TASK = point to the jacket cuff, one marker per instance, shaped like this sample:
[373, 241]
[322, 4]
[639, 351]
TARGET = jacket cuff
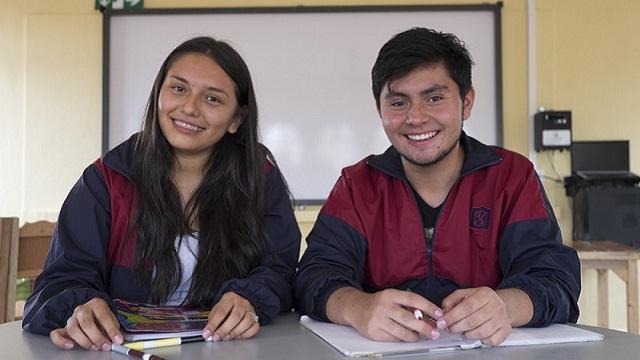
[54, 312]
[266, 307]
[324, 293]
[537, 292]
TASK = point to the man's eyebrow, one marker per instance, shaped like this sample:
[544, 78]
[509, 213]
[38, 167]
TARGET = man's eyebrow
[430, 90]
[434, 88]
[212, 88]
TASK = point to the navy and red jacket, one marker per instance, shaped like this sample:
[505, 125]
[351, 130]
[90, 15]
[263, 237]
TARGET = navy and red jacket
[495, 228]
[91, 257]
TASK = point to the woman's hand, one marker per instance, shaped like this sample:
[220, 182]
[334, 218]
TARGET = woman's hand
[233, 317]
[92, 326]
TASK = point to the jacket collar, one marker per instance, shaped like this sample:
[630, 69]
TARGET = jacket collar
[476, 156]
[119, 158]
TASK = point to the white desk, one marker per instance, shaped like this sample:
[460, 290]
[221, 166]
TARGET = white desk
[285, 339]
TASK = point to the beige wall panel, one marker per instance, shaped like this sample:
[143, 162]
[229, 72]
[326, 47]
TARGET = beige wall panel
[63, 107]
[596, 72]
[514, 77]
[11, 107]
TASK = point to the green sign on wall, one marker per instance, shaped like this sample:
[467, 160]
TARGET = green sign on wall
[119, 4]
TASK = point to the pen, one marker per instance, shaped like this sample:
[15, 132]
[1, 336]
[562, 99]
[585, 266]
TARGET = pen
[134, 353]
[150, 344]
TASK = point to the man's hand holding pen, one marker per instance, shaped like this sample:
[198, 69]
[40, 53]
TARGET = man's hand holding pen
[386, 315]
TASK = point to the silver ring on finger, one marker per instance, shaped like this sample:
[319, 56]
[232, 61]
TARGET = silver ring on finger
[254, 316]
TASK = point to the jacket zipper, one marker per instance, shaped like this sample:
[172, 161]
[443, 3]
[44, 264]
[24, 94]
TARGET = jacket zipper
[428, 235]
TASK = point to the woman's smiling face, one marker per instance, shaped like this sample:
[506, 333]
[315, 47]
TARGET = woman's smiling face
[197, 105]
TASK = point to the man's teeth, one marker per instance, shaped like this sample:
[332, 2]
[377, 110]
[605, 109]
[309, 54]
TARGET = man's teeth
[426, 136]
[183, 124]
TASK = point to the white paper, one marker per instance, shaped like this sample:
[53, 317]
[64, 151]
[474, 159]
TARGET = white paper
[347, 340]
[552, 334]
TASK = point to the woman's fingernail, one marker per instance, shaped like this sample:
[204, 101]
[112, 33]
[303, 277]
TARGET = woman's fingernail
[68, 345]
[94, 348]
[206, 334]
[118, 339]
[435, 334]
[441, 324]
[216, 337]
[437, 313]
[226, 338]
[106, 347]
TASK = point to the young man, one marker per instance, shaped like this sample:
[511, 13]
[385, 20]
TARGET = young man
[440, 222]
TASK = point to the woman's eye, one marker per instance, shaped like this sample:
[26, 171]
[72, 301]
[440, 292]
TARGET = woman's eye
[177, 88]
[212, 99]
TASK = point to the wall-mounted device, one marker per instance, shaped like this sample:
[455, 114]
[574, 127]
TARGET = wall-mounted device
[552, 130]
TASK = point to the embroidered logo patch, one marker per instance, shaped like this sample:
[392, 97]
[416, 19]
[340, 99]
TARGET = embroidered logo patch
[480, 218]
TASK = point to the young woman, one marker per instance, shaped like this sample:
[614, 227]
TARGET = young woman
[191, 211]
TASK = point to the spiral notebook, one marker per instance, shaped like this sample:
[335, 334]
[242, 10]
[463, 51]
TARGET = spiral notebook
[346, 340]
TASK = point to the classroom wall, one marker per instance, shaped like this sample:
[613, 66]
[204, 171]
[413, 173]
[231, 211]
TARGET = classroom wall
[587, 62]
[50, 94]
[50, 102]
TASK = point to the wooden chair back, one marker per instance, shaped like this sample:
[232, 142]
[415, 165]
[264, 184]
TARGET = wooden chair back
[23, 251]
[33, 248]
[8, 267]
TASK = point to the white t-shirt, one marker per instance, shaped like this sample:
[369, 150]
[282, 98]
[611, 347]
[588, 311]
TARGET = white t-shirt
[187, 248]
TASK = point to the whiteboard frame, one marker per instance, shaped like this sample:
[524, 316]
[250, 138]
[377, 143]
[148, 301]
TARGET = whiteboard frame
[109, 14]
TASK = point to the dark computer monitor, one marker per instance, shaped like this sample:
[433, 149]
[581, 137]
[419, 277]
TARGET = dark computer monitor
[599, 155]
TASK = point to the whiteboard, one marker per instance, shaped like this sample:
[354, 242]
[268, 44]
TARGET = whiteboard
[311, 71]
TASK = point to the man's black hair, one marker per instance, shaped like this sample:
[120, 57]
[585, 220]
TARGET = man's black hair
[421, 47]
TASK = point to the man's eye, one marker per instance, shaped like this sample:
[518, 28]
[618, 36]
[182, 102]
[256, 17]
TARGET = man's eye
[398, 104]
[435, 99]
